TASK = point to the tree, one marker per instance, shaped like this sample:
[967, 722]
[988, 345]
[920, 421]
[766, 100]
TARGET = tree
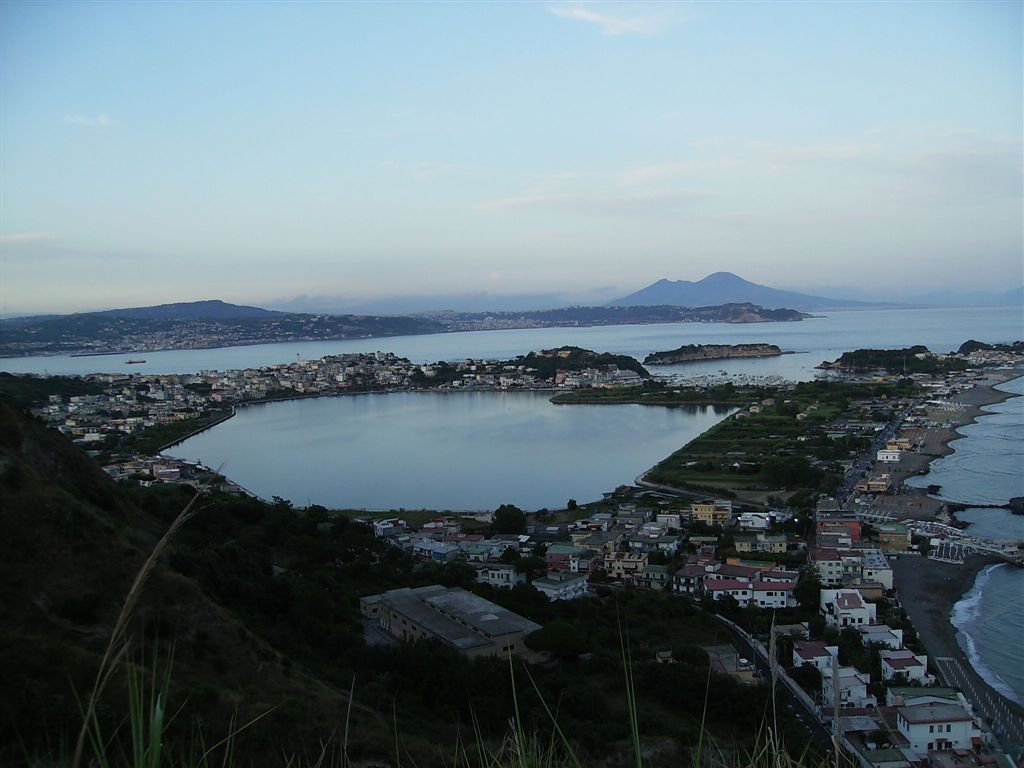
[571, 505]
[532, 566]
[558, 638]
[509, 519]
[807, 677]
[808, 591]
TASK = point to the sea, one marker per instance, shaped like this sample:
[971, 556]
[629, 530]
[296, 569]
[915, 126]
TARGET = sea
[808, 343]
[987, 467]
[517, 447]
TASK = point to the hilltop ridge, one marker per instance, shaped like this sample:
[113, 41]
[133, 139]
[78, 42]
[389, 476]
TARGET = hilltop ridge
[728, 288]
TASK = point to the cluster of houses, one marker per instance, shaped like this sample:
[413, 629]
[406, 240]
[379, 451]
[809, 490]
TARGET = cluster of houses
[917, 723]
[842, 556]
[133, 402]
[631, 546]
[917, 726]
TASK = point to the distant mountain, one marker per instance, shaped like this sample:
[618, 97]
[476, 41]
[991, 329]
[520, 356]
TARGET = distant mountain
[190, 310]
[727, 288]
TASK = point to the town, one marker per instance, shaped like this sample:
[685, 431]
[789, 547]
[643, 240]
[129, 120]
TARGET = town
[802, 580]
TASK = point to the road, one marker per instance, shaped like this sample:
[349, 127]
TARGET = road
[820, 735]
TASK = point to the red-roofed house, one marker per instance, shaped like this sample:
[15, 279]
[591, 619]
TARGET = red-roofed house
[816, 653]
[846, 608]
[905, 662]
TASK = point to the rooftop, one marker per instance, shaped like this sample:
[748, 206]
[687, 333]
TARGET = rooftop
[455, 616]
[813, 649]
[933, 713]
[482, 615]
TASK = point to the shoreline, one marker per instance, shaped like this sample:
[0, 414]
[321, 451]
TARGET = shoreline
[256, 343]
[928, 591]
[916, 502]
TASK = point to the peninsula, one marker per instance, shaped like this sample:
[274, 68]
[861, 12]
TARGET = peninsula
[693, 352]
[215, 324]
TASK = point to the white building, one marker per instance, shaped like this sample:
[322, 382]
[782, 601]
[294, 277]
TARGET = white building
[391, 525]
[881, 634]
[905, 662]
[888, 455]
[561, 585]
[767, 594]
[816, 653]
[936, 726]
[853, 689]
[829, 564]
[754, 521]
[501, 575]
[671, 520]
[736, 588]
[874, 567]
[846, 608]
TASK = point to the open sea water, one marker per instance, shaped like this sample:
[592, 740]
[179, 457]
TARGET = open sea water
[987, 467]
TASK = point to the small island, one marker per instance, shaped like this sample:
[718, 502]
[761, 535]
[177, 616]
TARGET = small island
[693, 352]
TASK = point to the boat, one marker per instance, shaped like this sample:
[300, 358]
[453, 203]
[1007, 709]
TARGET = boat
[133, 362]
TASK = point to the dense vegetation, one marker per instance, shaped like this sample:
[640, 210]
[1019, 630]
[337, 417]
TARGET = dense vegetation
[688, 352]
[657, 393]
[25, 391]
[548, 362]
[777, 445]
[971, 345]
[916, 359]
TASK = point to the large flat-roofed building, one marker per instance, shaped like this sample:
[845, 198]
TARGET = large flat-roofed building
[458, 618]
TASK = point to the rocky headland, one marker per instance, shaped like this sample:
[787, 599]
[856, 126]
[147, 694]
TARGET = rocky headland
[691, 352]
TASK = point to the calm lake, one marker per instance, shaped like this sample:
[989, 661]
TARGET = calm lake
[461, 451]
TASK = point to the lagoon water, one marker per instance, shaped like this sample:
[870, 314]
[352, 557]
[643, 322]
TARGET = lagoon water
[458, 451]
[811, 341]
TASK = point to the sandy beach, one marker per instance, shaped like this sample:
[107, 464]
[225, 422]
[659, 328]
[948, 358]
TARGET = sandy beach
[928, 590]
[915, 503]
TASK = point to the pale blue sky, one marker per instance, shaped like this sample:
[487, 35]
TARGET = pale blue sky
[254, 152]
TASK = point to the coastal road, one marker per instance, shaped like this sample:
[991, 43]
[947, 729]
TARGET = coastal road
[820, 735]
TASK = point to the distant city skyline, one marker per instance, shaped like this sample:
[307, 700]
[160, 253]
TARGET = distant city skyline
[259, 152]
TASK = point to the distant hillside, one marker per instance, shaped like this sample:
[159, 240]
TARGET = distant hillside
[727, 288]
[213, 309]
[191, 325]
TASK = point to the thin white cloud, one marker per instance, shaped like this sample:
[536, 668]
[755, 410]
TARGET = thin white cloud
[642, 204]
[652, 173]
[99, 121]
[27, 237]
[610, 24]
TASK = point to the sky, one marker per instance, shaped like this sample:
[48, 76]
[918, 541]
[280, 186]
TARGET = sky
[258, 152]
